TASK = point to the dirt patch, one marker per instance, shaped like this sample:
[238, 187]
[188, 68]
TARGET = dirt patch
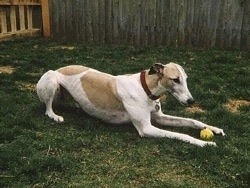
[6, 70]
[26, 86]
[234, 105]
[194, 109]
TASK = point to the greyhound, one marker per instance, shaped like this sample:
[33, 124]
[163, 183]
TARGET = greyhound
[125, 98]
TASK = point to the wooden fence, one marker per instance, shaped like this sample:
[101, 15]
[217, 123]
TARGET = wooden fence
[19, 18]
[194, 23]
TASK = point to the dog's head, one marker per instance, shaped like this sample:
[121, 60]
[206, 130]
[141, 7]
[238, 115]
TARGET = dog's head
[174, 79]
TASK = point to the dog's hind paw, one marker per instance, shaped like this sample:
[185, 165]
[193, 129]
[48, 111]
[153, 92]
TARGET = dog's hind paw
[55, 117]
[58, 119]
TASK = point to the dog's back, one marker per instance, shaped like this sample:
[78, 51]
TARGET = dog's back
[72, 70]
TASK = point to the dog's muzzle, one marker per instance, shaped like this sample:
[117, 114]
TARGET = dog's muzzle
[190, 101]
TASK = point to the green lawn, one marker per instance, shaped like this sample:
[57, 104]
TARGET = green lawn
[85, 152]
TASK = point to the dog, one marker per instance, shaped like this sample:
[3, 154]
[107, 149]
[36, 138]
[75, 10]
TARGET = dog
[125, 98]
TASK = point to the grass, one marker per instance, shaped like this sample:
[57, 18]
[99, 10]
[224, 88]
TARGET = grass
[85, 152]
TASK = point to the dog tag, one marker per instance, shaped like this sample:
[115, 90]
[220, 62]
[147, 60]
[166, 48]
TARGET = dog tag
[157, 106]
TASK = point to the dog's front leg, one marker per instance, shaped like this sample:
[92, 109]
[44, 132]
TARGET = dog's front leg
[168, 120]
[140, 118]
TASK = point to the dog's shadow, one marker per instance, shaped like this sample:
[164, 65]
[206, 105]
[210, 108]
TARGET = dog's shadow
[75, 116]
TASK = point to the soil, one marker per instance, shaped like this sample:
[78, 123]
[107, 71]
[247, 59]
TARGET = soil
[6, 70]
[194, 109]
[234, 105]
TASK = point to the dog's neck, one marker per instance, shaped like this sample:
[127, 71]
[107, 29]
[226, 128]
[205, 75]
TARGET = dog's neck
[151, 87]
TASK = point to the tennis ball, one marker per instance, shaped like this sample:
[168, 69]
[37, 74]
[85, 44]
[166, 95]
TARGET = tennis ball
[206, 134]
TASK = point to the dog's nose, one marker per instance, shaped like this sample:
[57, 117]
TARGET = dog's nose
[190, 101]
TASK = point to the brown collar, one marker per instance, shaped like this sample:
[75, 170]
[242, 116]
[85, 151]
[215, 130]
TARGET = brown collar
[145, 87]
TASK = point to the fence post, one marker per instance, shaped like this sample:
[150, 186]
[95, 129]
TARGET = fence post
[45, 17]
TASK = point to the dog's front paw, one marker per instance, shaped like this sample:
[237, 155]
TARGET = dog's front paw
[219, 131]
[215, 130]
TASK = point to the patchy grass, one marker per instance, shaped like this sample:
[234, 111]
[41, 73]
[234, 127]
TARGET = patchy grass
[234, 105]
[6, 70]
[85, 152]
[194, 109]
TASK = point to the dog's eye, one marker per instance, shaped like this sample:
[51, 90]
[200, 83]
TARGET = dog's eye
[176, 80]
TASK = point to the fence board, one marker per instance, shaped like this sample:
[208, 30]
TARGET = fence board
[69, 20]
[62, 19]
[82, 26]
[189, 24]
[13, 18]
[213, 21]
[238, 18]
[124, 23]
[101, 21]
[173, 18]
[3, 20]
[245, 32]
[22, 17]
[29, 17]
[45, 18]
[77, 19]
[193, 23]
[54, 20]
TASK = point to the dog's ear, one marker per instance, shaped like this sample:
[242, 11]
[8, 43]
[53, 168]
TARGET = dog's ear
[157, 68]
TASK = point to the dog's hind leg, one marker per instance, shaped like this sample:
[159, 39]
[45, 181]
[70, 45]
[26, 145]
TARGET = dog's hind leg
[48, 88]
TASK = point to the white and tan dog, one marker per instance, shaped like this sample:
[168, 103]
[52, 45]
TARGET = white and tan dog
[125, 98]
